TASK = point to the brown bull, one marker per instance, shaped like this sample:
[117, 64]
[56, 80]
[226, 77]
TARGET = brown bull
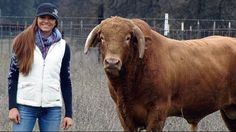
[151, 77]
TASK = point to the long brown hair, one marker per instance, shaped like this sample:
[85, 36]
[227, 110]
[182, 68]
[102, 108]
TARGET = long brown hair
[23, 46]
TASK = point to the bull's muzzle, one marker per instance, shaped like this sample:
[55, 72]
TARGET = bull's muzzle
[112, 64]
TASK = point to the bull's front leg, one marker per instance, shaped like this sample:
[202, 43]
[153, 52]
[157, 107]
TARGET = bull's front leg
[125, 118]
[156, 119]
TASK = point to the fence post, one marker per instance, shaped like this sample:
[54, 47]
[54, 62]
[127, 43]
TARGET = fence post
[81, 27]
[214, 28]
[229, 28]
[16, 28]
[25, 25]
[61, 25]
[182, 30]
[61, 28]
[166, 25]
[154, 23]
[1, 37]
[190, 32]
[1, 31]
[71, 34]
[198, 29]
[9, 42]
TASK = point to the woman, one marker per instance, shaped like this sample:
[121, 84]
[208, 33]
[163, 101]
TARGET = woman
[39, 75]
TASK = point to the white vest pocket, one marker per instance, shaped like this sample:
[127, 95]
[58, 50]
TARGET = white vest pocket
[26, 91]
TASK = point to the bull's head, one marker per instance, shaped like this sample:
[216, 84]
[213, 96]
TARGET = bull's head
[118, 38]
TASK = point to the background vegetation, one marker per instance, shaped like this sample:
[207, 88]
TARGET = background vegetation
[178, 9]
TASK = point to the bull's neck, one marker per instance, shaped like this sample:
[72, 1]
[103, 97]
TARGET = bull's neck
[128, 79]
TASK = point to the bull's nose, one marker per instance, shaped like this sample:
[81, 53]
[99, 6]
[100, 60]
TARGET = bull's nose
[112, 63]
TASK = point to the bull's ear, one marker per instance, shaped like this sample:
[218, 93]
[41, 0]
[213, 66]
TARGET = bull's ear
[141, 40]
[92, 39]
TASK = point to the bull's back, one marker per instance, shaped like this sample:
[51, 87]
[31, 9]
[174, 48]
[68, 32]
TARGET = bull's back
[205, 73]
[199, 74]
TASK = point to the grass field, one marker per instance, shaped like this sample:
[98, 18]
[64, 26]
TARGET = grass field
[92, 105]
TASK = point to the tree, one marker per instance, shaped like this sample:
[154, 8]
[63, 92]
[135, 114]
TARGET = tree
[16, 7]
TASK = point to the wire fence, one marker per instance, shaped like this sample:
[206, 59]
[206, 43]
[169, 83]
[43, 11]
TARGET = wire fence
[76, 29]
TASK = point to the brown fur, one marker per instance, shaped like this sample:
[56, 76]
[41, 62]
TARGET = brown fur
[189, 79]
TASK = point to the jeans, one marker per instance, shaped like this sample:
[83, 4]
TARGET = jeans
[49, 118]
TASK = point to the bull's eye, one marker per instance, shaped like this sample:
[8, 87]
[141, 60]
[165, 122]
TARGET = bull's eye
[102, 38]
[127, 39]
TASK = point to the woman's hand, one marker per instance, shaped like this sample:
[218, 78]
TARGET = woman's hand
[14, 115]
[67, 123]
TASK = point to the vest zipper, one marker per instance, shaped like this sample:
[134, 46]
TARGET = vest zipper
[43, 75]
[42, 83]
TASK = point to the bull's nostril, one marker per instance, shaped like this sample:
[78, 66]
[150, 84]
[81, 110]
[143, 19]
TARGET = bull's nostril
[112, 62]
[106, 62]
[116, 62]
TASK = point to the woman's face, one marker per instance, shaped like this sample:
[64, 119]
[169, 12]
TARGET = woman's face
[46, 23]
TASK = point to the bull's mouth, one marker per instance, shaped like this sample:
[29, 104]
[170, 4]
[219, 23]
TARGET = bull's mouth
[112, 66]
[112, 71]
